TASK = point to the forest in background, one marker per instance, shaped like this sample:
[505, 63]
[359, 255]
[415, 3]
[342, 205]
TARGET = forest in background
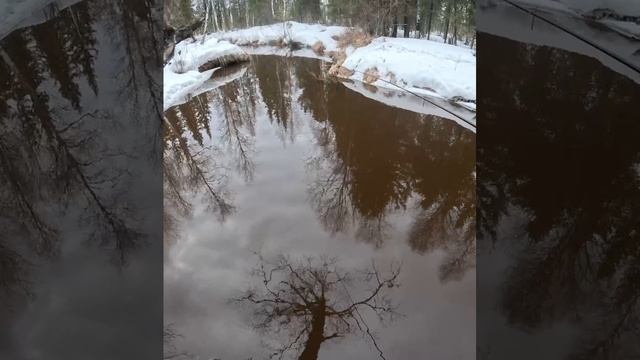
[452, 21]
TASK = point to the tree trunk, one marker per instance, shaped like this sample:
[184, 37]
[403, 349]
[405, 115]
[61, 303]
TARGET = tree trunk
[446, 23]
[316, 335]
[454, 40]
[430, 18]
[395, 26]
[406, 26]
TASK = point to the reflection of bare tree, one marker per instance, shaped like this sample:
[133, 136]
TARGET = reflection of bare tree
[238, 102]
[570, 164]
[72, 149]
[187, 167]
[310, 303]
[53, 155]
[191, 164]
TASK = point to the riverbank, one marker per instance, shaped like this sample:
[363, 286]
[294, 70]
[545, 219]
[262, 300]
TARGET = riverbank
[420, 66]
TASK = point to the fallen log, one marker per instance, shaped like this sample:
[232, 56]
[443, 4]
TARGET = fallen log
[224, 60]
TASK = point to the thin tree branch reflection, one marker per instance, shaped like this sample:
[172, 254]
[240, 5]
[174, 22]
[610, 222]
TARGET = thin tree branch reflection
[309, 302]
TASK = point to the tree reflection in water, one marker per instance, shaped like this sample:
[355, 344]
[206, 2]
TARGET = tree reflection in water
[559, 145]
[79, 182]
[191, 149]
[367, 164]
[373, 159]
[53, 147]
[309, 302]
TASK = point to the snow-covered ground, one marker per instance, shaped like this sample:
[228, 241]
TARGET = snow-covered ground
[291, 31]
[190, 55]
[422, 66]
[181, 76]
[15, 14]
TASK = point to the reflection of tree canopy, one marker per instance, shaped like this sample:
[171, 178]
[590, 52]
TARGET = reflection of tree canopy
[309, 303]
[560, 141]
[275, 81]
[52, 151]
[375, 158]
[192, 163]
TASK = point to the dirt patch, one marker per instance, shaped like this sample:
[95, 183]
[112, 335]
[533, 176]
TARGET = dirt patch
[338, 58]
[223, 61]
[341, 71]
[353, 37]
[371, 75]
[371, 88]
[318, 48]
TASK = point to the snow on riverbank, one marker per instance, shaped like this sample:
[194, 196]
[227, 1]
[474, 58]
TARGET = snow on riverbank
[422, 66]
[280, 34]
[418, 65]
[182, 76]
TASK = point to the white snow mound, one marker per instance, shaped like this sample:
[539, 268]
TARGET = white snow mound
[418, 65]
[291, 31]
[181, 75]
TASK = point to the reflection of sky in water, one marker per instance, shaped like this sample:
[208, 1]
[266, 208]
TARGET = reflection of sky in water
[211, 260]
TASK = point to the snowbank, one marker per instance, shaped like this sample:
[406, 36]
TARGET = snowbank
[422, 66]
[182, 78]
[179, 87]
[281, 34]
[190, 55]
[418, 65]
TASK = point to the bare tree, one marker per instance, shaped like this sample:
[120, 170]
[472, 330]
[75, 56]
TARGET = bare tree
[309, 302]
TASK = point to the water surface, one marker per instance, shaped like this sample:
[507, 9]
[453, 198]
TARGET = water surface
[559, 196]
[299, 164]
[80, 126]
